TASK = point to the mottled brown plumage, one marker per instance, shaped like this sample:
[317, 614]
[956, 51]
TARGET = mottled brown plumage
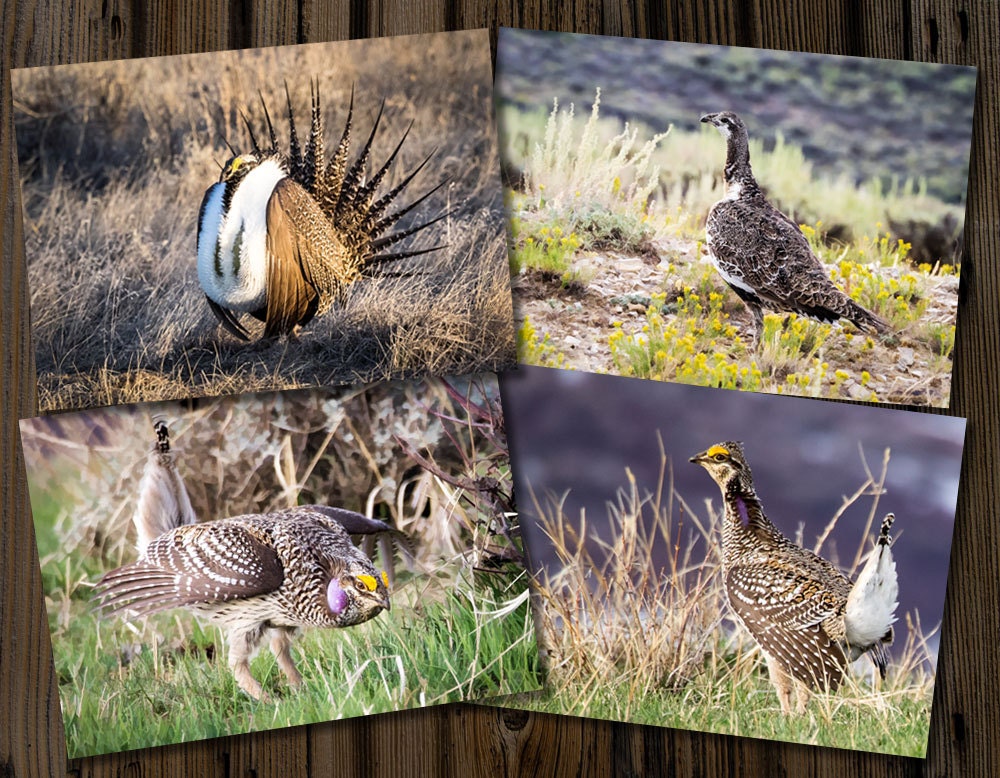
[762, 254]
[793, 602]
[256, 576]
[284, 233]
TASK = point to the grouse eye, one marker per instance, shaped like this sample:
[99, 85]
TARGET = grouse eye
[719, 457]
[229, 171]
[360, 585]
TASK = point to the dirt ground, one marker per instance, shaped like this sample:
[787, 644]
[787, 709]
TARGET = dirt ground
[579, 318]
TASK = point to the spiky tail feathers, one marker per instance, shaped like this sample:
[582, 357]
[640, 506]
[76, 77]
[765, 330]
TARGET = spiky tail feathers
[871, 604]
[347, 193]
[365, 224]
[163, 502]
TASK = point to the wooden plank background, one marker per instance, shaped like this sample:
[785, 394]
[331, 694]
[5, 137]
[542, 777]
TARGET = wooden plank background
[466, 740]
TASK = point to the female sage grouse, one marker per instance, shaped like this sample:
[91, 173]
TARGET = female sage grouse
[282, 234]
[257, 576]
[762, 254]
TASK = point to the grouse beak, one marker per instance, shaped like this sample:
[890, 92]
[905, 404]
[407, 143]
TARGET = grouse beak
[698, 458]
[710, 119]
[384, 591]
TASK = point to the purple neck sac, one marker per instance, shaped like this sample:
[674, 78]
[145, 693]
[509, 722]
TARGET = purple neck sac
[336, 597]
[741, 506]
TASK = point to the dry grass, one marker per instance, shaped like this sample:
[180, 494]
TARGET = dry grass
[430, 458]
[351, 447]
[634, 624]
[115, 158]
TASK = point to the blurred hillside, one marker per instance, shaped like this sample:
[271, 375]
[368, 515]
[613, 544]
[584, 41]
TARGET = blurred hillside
[866, 118]
[805, 455]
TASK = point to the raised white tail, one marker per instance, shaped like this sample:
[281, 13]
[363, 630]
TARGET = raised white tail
[163, 499]
[871, 605]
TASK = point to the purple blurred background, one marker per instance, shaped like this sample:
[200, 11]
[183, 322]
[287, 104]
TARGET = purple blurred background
[578, 432]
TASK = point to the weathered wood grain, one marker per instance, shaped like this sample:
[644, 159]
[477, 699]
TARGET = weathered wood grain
[966, 33]
[319, 21]
[472, 740]
[30, 721]
[493, 741]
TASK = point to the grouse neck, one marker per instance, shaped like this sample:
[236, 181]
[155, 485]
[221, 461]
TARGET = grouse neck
[744, 511]
[738, 174]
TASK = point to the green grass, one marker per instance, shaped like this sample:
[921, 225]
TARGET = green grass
[429, 457]
[895, 724]
[628, 642]
[165, 680]
[745, 704]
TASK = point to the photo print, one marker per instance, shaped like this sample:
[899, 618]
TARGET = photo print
[229, 565]
[741, 218]
[236, 221]
[734, 562]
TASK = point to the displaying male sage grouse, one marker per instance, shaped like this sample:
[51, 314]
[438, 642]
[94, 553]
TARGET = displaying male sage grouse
[809, 619]
[762, 254]
[258, 576]
[282, 234]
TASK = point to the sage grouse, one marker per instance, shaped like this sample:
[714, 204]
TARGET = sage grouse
[762, 254]
[807, 617]
[283, 234]
[257, 576]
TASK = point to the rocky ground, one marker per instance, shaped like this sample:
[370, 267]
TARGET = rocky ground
[579, 318]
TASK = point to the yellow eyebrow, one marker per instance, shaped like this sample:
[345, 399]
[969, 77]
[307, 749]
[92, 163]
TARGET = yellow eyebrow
[368, 581]
[717, 450]
[385, 579]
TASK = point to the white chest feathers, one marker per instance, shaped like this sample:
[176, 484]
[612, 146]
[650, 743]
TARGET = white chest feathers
[232, 245]
[730, 277]
[733, 191]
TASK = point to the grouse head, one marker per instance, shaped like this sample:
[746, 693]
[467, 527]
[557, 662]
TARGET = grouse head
[727, 122]
[356, 594]
[236, 168]
[728, 467]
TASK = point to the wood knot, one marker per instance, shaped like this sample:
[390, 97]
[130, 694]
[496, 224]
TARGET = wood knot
[514, 720]
[958, 727]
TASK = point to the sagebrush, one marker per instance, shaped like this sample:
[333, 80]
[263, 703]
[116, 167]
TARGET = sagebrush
[591, 195]
[114, 160]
